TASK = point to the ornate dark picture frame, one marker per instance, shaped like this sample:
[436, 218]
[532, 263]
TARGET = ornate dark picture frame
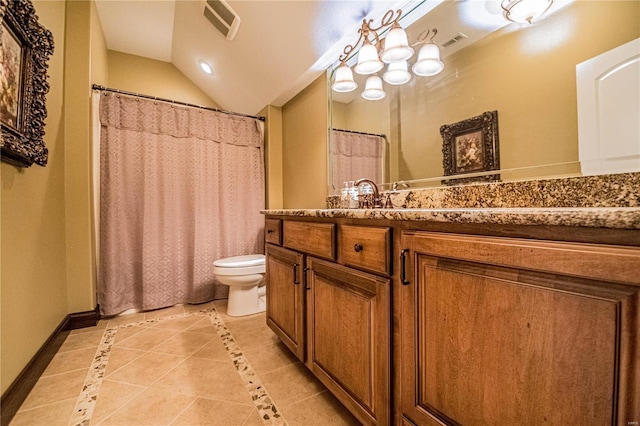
[471, 146]
[26, 47]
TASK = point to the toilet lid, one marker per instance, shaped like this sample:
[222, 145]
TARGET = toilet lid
[240, 261]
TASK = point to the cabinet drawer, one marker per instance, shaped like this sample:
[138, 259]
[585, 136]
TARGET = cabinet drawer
[313, 238]
[272, 231]
[366, 247]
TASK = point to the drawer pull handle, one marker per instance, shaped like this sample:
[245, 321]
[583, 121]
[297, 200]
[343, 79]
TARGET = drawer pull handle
[269, 231]
[403, 269]
[295, 274]
[358, 247]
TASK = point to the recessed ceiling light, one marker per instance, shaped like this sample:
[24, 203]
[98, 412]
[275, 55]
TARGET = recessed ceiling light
[206, 67]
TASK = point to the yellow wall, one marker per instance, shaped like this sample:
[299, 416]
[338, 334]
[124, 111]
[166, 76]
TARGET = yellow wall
[304, 147]
[273, 155]
[33, 286]
[99, 52]
[156, 78]
[528, 75]
[78, 201]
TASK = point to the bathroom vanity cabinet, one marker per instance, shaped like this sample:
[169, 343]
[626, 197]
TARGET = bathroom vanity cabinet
[424, 323]
[336, 318]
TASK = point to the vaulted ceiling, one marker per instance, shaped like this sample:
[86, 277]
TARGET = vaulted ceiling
[281, 45]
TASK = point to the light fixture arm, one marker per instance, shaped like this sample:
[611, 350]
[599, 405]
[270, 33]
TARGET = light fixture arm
[366, 29]
[424, 36]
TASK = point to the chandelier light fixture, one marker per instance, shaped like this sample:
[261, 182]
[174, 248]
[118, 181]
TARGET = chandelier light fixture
[393, 51]
[522, 11]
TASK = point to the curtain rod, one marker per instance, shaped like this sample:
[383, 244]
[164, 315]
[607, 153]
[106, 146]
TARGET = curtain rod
[360, 133]
[124, 92]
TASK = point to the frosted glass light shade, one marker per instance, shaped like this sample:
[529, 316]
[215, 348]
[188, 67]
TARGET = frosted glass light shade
[373, 89]
[397, 73]
[428, 62]
[343, 80]
[522, 11]
[396, 46]
[368, 61]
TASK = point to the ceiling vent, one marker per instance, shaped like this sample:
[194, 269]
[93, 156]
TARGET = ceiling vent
[456, 39]
[220, 14]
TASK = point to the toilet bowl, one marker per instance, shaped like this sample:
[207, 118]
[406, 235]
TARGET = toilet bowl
[243, 275]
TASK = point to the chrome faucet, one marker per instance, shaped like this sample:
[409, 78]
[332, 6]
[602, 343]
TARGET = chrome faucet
[376, 203]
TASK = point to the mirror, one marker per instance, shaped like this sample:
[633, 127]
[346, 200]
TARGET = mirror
[527, 73]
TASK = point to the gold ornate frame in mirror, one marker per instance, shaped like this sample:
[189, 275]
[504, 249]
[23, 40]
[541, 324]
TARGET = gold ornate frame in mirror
[471, 146]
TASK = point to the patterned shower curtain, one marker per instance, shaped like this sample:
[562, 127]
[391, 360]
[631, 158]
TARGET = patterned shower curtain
[179, 188]
[355, 156]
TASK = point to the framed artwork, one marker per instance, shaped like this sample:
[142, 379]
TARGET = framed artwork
[471, 146]
[24, 53]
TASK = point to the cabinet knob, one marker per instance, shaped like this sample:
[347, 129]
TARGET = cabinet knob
[269, 231]
[358, 247]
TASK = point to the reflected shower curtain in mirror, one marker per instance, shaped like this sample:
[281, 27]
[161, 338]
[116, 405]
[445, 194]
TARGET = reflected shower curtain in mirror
[179, 188]
[356, 155]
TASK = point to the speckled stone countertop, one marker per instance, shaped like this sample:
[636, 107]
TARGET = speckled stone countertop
[592, 217]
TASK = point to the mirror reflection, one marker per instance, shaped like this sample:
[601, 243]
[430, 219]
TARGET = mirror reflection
[531, 74]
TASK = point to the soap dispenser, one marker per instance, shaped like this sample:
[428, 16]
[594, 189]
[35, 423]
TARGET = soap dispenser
[353, 196]
[344, 196]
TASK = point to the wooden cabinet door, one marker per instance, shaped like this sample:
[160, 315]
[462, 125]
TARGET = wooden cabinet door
[510, 332]
[348, 337]
[285, 297]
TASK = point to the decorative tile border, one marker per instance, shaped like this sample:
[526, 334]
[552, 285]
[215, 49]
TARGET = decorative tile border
[88, 397]
[263, 402]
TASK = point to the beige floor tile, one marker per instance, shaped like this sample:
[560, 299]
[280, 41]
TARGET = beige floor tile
[204, 325]
[214, 350]
[90, 339]
[157, 313]
[58, 413]
[146, 339]
[113, 395]
[218, 413]
[63, 362]
[207, 379]
[146, 369]
[124, 319]
[267, 358]
[247, 323]
[260, 336]
[291, 384]
[253, 419]
[119, 357]
[195, 308]
[126, 332]
[185, 343]
[56, 388]
[320, 409]
[252, 331]
[102, 324]
[178, 324]
[151, 407]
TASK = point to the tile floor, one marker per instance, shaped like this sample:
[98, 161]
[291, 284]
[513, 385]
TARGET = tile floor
[184, 365]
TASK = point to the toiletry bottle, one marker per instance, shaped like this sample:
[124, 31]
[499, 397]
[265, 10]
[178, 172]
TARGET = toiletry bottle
[353, 196]
[344, 196]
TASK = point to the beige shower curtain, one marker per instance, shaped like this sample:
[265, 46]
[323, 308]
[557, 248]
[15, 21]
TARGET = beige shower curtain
[179, 188]
[355, 156]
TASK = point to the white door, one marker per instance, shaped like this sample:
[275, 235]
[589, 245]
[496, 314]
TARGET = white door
[609, 111]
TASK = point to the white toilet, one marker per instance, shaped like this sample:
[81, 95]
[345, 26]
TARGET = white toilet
[243, 275]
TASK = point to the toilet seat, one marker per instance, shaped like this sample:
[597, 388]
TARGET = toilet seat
[240, 265]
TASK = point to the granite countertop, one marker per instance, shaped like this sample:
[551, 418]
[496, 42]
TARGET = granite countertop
[592, 217]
